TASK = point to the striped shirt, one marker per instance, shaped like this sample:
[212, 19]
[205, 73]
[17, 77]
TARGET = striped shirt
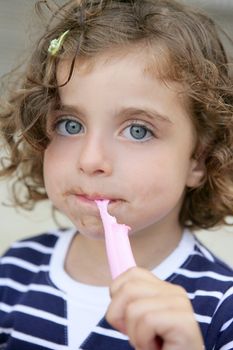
[33, 308]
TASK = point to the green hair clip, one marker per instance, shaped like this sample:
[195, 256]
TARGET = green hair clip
[56, 44]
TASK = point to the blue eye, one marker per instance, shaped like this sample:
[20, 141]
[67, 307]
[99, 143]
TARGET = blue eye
[138, 132]
[69, 127]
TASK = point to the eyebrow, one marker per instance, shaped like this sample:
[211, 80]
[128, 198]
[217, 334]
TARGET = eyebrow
[150, 113]
[69, 108]
[124, 111]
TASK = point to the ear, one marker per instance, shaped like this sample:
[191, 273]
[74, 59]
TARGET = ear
[197, 173]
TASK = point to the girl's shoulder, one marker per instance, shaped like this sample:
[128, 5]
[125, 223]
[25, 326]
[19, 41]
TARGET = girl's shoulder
[206, 278]
[204, 270]
[208, 262]
[42, 243]
[31, 304]
[29, 256]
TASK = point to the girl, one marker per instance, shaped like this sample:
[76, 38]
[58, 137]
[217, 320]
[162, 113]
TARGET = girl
[131, 102]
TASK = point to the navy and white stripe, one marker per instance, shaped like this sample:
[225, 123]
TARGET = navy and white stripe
[33, 311]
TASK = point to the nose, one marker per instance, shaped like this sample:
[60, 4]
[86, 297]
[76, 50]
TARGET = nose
[95, 157]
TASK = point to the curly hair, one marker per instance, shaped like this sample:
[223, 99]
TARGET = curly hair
[191, 52]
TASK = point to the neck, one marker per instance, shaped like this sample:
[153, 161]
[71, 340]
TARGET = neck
[87, 263]
[151, 248]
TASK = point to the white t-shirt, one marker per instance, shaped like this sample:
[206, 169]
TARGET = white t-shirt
[87, 304]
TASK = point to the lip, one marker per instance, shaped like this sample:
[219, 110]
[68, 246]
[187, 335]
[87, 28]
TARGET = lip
[90, 199]
[95, 197]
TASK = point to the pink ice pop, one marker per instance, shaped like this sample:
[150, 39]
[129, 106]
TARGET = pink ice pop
[120, 256]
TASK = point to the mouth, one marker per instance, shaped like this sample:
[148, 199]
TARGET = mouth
[90, 199]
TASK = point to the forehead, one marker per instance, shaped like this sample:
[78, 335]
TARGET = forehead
[137, 64]
[154, 61]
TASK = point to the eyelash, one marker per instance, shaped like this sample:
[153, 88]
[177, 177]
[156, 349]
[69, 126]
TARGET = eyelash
[66, 120]
[131, 123]
[58, 119]
[139, 123]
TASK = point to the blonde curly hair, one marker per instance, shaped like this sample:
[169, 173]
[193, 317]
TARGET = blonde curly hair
[196, 58]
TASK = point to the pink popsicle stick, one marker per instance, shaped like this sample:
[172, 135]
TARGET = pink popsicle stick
[120, 256]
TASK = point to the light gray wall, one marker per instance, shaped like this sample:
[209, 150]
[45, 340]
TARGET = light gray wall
[17, 20]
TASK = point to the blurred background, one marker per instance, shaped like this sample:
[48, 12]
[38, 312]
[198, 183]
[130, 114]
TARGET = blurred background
[18, 27]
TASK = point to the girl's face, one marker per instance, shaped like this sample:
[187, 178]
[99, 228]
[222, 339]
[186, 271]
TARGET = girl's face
[122, 135]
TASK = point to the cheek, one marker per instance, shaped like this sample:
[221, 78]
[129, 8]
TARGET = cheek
[59, 156]
[50, 165]
[50, 177]
[159, 178]
[54, 166]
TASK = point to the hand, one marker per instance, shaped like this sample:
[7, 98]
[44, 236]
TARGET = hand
[144, 307]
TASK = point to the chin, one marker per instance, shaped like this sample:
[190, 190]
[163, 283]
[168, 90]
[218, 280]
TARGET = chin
[91, 231]
[99, 236]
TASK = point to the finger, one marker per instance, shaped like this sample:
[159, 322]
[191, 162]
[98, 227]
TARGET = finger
[178, 330]
[134, 290]
[137, 274]
[133, 274]
[125, 295]
[143, 333]
[158, 306]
